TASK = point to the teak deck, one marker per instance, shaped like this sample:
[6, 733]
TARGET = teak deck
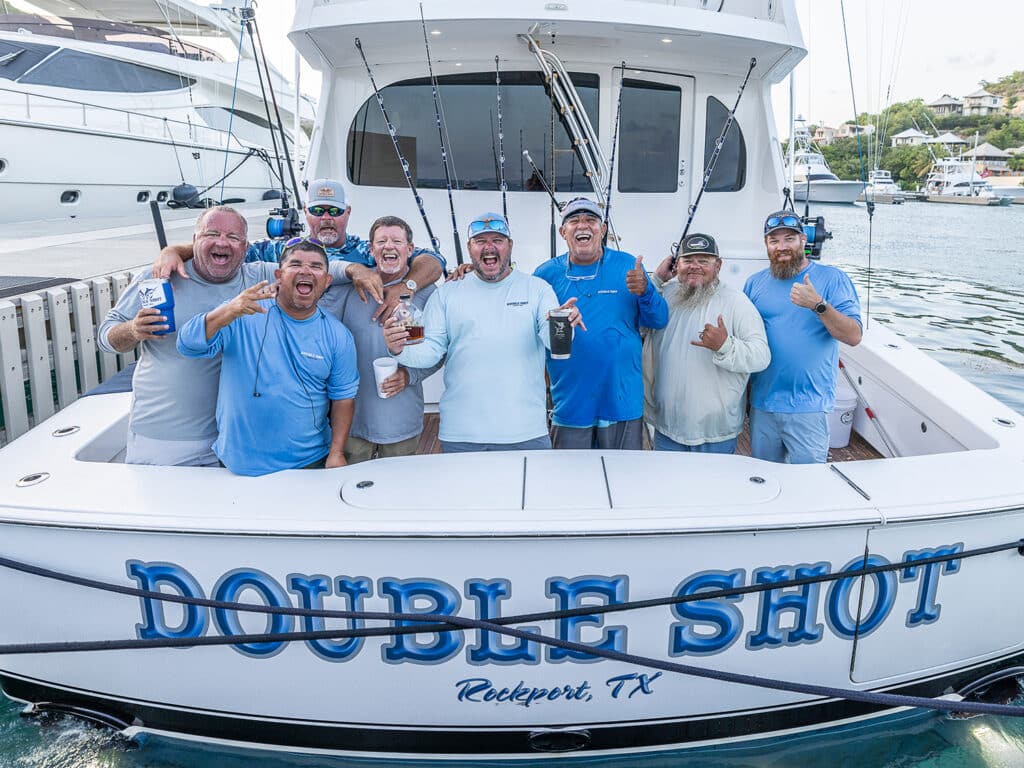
[858, 449]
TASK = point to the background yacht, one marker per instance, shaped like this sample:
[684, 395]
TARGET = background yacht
[105, 107]
[813, 180]
[955, 179]
[881, 188]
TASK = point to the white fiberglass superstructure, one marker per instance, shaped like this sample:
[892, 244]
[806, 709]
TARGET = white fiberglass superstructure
[107, 106]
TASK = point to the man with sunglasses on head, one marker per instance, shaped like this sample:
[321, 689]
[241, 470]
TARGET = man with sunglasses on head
[327, 214]
[807, 308]
[598, 392]
[389, 426]
[288, 373]
[696, 369]
[492, 328]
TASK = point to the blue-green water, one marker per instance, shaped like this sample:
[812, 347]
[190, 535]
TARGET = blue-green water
[950, 279]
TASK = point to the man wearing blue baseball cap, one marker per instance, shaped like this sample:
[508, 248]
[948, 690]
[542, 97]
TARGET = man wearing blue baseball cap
[598, 392]
[807, 308]
[327, 213]
[492, 328]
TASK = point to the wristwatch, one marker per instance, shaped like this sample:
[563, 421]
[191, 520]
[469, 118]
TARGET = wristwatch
[411, 285]
[821, 307]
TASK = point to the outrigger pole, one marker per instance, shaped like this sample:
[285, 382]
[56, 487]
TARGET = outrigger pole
[401, 157]
[611, 161]
[501, 137]
[440, 138]
[719, 142]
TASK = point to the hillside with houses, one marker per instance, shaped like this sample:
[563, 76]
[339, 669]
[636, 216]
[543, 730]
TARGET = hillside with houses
[986, 125]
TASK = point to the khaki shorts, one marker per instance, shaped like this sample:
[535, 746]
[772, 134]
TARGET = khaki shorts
[357, 449]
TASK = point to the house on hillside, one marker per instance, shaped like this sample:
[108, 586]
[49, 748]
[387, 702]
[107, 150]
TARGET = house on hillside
[824, 135]
[989, 159]
[947, 105]
[949, 140]
[909, 136]
[848, 130]
[981, 102]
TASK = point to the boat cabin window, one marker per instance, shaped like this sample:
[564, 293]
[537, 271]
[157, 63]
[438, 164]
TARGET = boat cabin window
[730, 172]
[18, 58]
[87, 72]
[471, 140]
[649, 137]
[244, 125]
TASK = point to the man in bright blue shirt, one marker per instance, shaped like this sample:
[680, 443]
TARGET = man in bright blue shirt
[287, 366]
[598, 392]
[807, 308]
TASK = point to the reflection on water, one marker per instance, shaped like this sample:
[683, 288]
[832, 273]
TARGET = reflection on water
[949, 279]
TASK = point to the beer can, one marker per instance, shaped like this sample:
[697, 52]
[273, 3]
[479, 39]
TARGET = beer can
[157, 293]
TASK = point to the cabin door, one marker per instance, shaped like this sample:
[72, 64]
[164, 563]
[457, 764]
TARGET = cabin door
[654, 174]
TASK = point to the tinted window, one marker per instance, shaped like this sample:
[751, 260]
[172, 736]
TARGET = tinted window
[471, 144]
[86, 72]
[18, 58]
[649, 137]
[730, 172]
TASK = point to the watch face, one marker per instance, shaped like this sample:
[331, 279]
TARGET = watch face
[411, 285]
[821, 308]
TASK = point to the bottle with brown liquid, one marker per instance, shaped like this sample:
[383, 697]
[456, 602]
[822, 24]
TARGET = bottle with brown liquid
[410, 316]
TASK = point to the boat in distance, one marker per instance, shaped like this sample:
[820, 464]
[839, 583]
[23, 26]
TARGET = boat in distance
[467, 606]
[881, 189]
[813, 180]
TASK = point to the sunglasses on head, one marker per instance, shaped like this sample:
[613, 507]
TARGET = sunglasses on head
[320, 210]
[788, 220]
[307, 240]
[488, 225]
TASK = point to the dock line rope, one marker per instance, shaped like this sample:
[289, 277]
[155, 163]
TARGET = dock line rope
[444, 622]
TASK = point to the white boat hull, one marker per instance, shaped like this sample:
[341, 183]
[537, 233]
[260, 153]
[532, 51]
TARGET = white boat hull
[828, 191]
[485, 535]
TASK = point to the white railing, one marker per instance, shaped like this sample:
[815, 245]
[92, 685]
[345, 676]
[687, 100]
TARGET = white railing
[68, 113]
[48, 351]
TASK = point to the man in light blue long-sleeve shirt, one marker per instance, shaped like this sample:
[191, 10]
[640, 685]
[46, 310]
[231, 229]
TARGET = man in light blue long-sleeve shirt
[493, 327]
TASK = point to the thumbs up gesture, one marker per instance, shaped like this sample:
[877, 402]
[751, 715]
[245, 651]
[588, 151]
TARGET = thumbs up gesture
[636, 278]
[805, 294]
[713, 336]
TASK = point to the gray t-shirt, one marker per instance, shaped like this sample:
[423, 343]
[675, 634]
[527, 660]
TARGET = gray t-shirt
[175, 397]
[376, 419]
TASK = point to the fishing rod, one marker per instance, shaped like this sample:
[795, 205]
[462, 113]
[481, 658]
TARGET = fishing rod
[401, 157]
[712, 162]
[540, 177]
[440, 138]
[501, 137]
[611, 163]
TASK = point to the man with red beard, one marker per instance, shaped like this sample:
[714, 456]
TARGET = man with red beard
[696, 368]
[288, 377]
[808, 308]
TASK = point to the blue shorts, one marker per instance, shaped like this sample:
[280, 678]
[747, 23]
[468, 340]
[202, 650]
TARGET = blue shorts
[663, 443]
[536, 444]
[792, 438]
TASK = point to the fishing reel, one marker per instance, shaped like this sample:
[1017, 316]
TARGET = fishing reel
[814, 230]
[284, 222]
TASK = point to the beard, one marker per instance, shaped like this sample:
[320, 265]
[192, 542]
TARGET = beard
[327, 236]
[693, 296]
[785, 270]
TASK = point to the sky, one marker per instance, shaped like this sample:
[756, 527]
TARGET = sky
[899, 50]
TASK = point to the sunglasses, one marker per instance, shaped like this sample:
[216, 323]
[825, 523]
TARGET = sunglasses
[790, 221]
[320, 210]
[300, 240]
[488, 225]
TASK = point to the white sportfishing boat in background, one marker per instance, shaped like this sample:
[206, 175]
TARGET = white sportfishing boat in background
[956, 180]
[543, 545]
[882, 189]
[105, 106]
[813, 180]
